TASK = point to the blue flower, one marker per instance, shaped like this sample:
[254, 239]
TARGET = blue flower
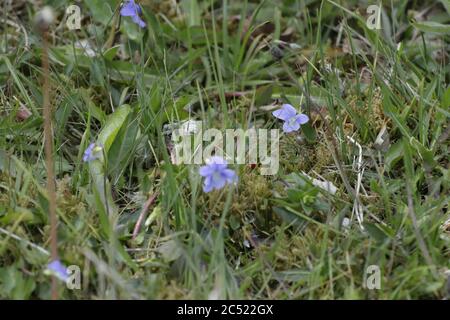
[216, 174]
[92, 152]
[131, 9]
[57, 269]
[292, 120]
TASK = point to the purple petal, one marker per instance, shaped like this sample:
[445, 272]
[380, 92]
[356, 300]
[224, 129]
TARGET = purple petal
[290, 126]
[136, 19]
[206, 170]
[301, 118]
[217, 181]
[217, 163]
[90, 147]
[285, 113]
[129, 9]
[207, 185]
[217, 160]
[58, 270]
[88, 156]
[138, 8]
[216, 174]
[229, 175]
[219, 166]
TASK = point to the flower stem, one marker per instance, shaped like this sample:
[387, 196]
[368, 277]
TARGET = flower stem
[48, 146]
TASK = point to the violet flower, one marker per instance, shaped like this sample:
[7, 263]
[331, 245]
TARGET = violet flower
[292, 119]
[92, 152]
[57, 269]
[131, 9]
[216, 174]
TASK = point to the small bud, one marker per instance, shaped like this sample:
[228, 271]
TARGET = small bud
[44, 18]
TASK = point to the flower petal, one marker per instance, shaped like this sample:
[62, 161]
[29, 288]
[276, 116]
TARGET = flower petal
[217, 160]
[217, 179]
[58, 269]
[285, 113]
[289, 127]
[229, 175]
[207, 185]
[129, 9]
[301, 118]
[136, 19]
[217, 163]
[206, 170]
[87, 155]
[216, 174]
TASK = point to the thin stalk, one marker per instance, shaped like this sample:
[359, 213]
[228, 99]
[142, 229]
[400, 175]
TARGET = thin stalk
[48, 147]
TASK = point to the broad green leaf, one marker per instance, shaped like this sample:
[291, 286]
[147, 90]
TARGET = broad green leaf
[393, 155]
[170, 250]
[425, 153]
[263, 95]
[112, 126]
[446, 99]
[110, 53]
[101, 10]
[103, 197]
[310, 132]
[131, 29]
[122, 149]
[431, 26]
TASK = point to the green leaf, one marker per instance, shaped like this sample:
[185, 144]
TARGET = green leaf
[103, 197]
[101, 10]
[394, 154]
[131, 29]
[310, 132]
[408, 160]
[431, 26]
[17, 215]
[122, 149]
[170, 250]
[111, 53]
[445, 103]
[192, 10]
[7, 164]
[15, 284]
[289, 217]
[446, 4]
[376, 232]
[263, 95]
[425, 153]
[113, 124]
